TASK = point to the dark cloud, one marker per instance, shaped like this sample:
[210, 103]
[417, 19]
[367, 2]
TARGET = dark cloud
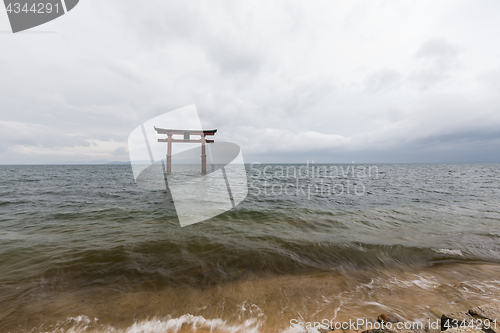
[285, 78]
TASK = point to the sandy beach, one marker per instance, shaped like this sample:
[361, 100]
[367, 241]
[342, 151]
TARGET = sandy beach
[267, 304]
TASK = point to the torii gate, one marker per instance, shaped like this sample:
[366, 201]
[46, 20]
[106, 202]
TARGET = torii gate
[187, 139]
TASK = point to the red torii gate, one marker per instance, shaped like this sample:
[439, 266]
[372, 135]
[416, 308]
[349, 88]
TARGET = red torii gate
[187, 139]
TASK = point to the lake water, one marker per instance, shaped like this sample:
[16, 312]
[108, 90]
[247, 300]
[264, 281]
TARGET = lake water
[84, 249]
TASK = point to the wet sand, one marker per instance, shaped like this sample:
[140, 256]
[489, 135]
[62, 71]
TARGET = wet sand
[265, 304]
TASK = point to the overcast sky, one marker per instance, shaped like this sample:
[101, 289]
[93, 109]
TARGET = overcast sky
[288, 81]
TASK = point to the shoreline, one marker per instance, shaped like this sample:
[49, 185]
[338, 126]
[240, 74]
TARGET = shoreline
[480, 319]
[266, 304]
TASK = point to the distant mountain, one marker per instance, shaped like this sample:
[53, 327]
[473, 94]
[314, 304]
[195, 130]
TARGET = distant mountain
[118, 162]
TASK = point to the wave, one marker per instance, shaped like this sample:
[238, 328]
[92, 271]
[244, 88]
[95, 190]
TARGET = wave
[206, 262]
[184, 323]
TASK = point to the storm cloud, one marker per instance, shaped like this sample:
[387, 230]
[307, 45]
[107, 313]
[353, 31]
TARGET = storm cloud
[288, 81]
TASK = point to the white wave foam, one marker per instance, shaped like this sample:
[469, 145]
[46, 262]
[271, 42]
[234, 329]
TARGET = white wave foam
[449, 251]
[420, 281]
[83, 324]
[175, 324]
